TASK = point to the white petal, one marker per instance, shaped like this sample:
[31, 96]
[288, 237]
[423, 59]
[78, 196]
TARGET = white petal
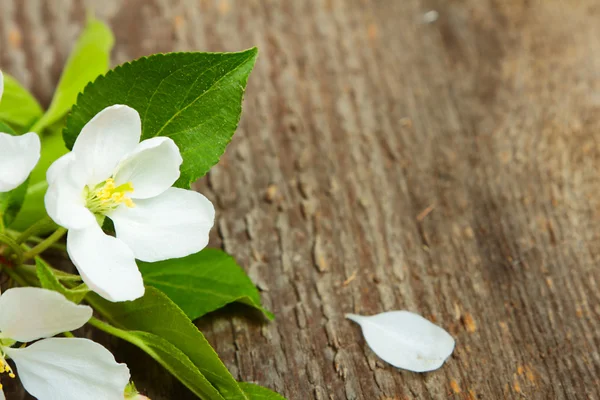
[105, 264]
[406, 340]
[152, 167]
[18, 156]
[64, 199]
[59, 166]
[30, 313]
[102, 143]
[69, 369]
[171, 225]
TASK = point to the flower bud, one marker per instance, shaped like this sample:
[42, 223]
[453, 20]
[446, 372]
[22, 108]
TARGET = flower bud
[131, 393]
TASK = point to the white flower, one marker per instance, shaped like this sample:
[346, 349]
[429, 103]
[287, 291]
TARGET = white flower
[18, 155]
[110, 173]
[55, 368]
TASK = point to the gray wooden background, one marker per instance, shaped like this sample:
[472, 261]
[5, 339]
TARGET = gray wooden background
[384, 162]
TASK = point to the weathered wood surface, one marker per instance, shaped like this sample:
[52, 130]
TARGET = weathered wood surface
[359, 119]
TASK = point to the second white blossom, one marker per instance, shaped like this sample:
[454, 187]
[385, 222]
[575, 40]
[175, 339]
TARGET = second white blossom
[55, 368]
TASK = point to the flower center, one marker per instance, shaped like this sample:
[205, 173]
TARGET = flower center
[105, 196]
[5, 368]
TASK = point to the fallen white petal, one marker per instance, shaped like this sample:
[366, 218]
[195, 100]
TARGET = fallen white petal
[47, 313]
[406, 340]
[173, 224]
[102, 143]
[105, 264]
[69, 369]
[18, 156]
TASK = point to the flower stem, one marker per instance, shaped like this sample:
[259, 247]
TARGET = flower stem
[27, 274]
[15, 276]
[14, 253]
[35, 228]
[36, 239]
[103, 326]
[49, 241]
[39, 126]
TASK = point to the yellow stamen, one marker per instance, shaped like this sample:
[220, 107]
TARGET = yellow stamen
[106, 196]
[117, 197]
[5, 368]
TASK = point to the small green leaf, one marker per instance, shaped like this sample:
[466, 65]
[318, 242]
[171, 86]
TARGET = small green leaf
[169, 356]
[53, 147]
[202, 282]
[4, 128]
[156, 314]
[63, 276]
[49, 280]
[18, 107]
[10, 204]
[32, 209]
[193, 98]
[89, 58]
[256, 392]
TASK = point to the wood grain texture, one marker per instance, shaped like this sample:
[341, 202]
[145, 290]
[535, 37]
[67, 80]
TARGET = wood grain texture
[359, 116]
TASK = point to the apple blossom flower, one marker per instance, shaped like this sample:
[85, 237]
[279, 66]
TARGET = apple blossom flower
[18, 155]
[55, 368]
[111, 174]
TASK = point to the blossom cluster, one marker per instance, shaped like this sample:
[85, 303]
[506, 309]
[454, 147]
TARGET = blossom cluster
[109, 175]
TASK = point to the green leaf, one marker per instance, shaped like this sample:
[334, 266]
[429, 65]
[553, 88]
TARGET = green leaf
[89, 58]
[202, 282]
[63, 276]
[32, 209]
[11, 202]
[53, 147]
[256, 392]
[49, 280]
[156, 314]
[193, 98]
[4, 128]
[18, 107]
[169, 356]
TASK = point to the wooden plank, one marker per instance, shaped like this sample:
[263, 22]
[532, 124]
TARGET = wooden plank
[359, 117]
